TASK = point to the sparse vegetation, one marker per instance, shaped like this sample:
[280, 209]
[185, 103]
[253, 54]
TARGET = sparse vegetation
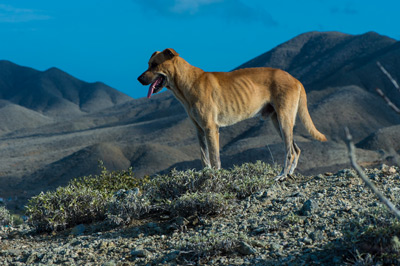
[234, 216]
[126, 205]
[201, 248]
[241, 181]
[66, 207]
[186, 193]
[375, 236]
[5, 216]
[206, 203]
[83, 200]
[110, 182]
[121, 197]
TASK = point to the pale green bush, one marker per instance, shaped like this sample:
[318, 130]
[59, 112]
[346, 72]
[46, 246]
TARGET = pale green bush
[5, 216]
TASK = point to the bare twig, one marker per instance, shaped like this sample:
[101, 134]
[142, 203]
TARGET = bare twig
[394, 82]
[352, 156]
[388, 101]
[273, 161]
[388, 75]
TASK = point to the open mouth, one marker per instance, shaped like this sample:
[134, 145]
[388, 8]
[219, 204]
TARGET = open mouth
[157, 85]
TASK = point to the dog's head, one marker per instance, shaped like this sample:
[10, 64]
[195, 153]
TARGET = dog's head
[160, 70]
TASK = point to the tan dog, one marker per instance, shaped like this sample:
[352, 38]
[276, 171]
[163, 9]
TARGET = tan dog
[218, 99]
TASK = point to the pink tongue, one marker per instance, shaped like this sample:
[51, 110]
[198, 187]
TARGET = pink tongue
[152, 87]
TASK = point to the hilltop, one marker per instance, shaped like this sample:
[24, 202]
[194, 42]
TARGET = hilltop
[238, 216]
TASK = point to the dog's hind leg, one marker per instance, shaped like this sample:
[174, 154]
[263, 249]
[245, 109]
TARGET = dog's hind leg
[275, 122]
[297, 152]
[286, 124]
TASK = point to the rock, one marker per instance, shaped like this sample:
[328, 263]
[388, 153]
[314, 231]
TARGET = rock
[245, 249]
[307, 241]
[102, 245]
[392, 170]
[75, 242]
[110, 263]
[78, 230]
[317, 236]
[259, 230]
[384, 168]
[309, 207]
[275, 247]
[153, 227]
[346, 173]
[268, 194]
[13, 252]
[389, 170]
[141, 253]
[283, 234]
[177, 223]
[374, 177]
[257, 243]
[341, 172]
[171, 256]
[34, 257]
[334, 234]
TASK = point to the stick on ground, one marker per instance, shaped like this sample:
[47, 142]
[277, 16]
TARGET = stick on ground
[352, 156]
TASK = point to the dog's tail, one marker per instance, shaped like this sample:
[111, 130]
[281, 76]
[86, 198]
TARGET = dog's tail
[306, 118]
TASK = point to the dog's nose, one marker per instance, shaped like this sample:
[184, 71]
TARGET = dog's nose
[140, 78]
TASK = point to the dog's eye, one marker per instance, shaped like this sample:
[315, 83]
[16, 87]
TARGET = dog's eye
[153, 65]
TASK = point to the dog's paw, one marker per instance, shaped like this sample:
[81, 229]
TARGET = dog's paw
[280, 177]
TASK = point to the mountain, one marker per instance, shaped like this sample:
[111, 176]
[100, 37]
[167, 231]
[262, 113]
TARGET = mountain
[53, 92]
[56, 127]
[333, 59]
[387, 138]
[15, 117]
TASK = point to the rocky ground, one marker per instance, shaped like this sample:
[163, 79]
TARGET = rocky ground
[328, 219]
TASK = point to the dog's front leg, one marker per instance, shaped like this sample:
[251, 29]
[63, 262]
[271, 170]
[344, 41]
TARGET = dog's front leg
[205, 158]
[212, 138]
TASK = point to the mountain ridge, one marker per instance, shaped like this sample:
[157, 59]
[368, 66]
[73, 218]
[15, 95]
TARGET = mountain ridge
[54, 92]
[349, 55]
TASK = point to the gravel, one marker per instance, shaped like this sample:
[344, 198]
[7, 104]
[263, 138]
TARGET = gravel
[302, 221]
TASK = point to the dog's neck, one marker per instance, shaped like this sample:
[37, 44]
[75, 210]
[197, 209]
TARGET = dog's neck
[185, 77]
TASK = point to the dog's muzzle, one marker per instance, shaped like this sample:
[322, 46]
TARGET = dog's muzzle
[156, 85]
[142, 79]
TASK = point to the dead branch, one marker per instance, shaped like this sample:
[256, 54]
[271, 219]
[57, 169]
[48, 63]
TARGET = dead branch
[352, 157]
[388, 101]
[394, 82]
[388, 75]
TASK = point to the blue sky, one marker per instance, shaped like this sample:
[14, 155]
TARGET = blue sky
[111, 41]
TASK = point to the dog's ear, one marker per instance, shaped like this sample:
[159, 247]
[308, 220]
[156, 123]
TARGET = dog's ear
[170, 53]
[154, 54]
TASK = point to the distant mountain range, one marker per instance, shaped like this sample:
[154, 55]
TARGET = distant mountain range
[53, 92]
[54, 127]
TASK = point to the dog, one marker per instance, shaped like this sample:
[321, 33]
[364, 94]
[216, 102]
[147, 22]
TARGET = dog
[217, 99]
